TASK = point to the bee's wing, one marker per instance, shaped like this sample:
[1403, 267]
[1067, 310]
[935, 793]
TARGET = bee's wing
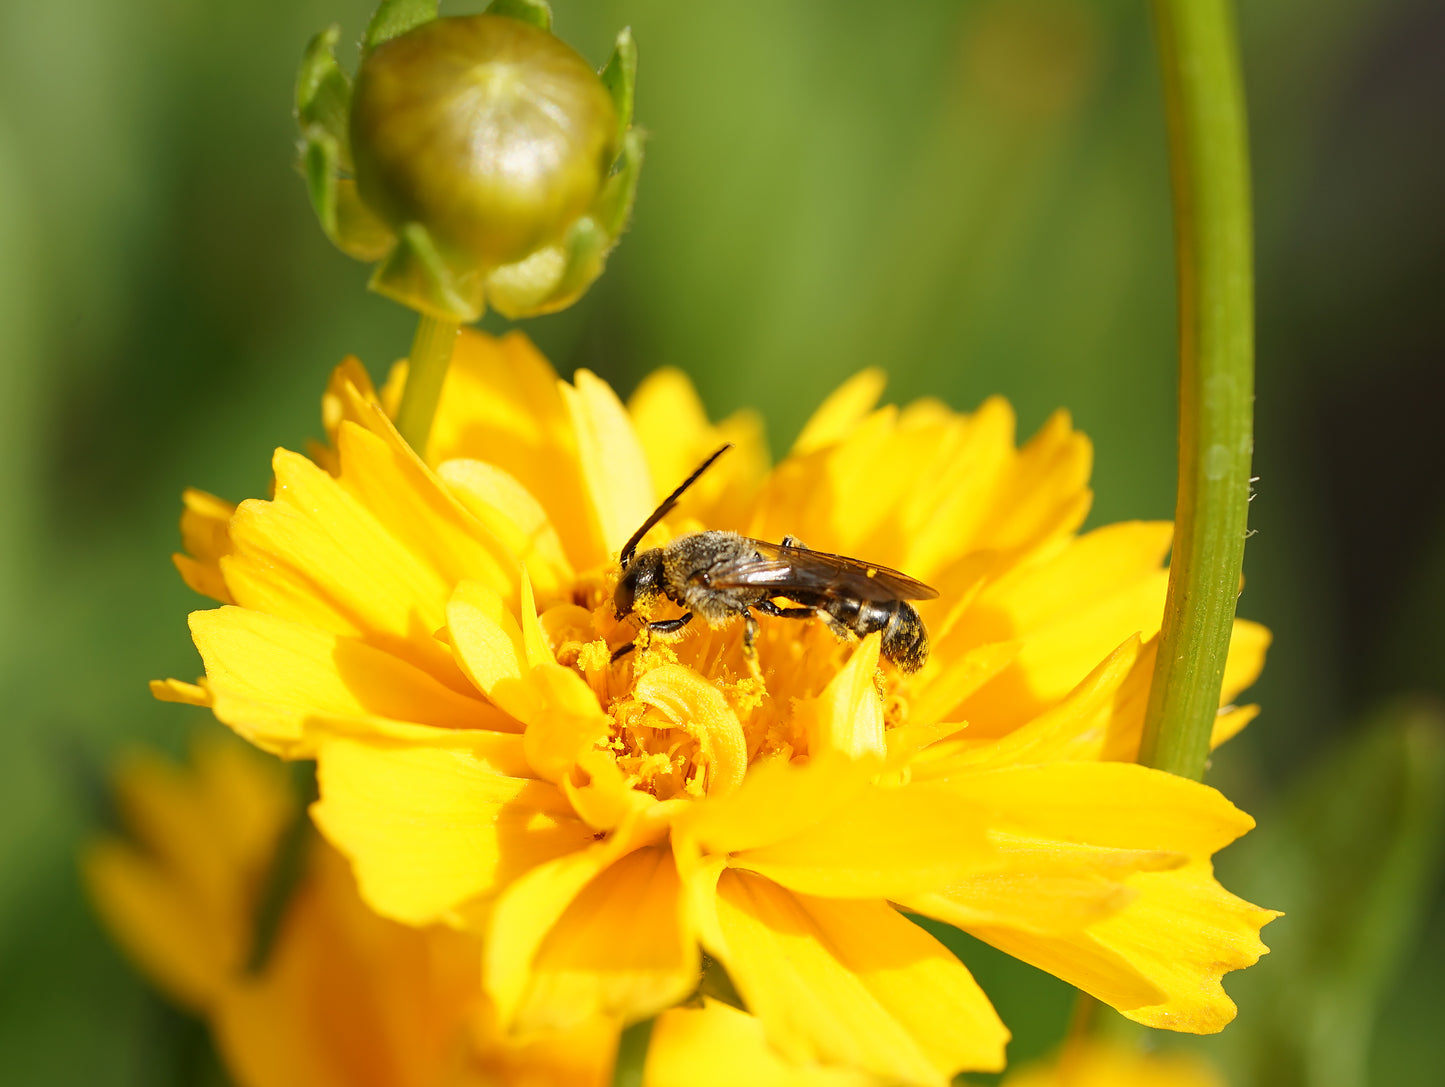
[783, 568]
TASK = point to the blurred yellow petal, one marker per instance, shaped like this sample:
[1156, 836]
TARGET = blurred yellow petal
[206, 538]
[1087, 1062]
[717, 1045]
[676, 436]
[841, 411]
[854, 983]
[347, 998]
[614, 467]
[180, 895]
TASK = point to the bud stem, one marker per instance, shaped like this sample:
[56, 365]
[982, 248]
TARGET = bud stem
[1209, 159]
[632, 1054]
[431, 354]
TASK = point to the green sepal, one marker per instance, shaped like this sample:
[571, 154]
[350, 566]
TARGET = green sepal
[536, 12]
[613, 205]
[344, 218]
[415, 274]
[323, 92]
[552, 278]
[395, 17]
[619, 76]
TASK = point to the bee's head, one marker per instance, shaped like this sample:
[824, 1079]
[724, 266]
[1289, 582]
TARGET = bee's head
[640, 581]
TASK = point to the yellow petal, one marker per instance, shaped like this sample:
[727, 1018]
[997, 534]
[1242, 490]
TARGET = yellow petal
[316, 555]
[1118, 805]
[676, 436]
[1184, 932]
[624, 948]
[1247, 645]
[854, 983]
[837, 416]
[501, 404]
[1090, 1062]
[1159, 960]
[429, 828]
[206, 537]
[887, 843]
[268, 676]
[347, 998]
[527, 910]
[157, 923]
[848, 716]
[1230, 723]
[568, 723]
[614, 467]
[181, 900]
[381, 470]
[777, 800]
[514, 517]
[1043, 885]
[175, 690]
[1079, 727]
[1067, 612]
[717, 1045]
[487, 641]
[1046, 493]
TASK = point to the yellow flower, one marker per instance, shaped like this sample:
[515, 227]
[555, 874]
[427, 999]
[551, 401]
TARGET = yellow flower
[345, 998]
[437, 634]
[1097, 1063]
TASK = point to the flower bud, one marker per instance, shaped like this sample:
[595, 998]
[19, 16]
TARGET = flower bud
[491, 162]
[492, 133]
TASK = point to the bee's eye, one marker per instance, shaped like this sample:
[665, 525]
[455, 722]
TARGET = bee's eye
[625, 596]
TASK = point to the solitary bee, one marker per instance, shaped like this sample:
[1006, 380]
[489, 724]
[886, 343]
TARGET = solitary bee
[722, 576]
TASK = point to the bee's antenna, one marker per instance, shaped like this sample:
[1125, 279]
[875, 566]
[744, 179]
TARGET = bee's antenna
[667, 503]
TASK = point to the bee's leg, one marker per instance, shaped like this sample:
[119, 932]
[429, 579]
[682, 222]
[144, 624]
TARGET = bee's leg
[767, 607]
[793, 541]
[841, 632]
[669, 626]
[662, 626]
[750, 651]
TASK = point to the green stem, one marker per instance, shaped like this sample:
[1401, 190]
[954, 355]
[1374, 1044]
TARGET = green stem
[1209, 154]
[431, 354]
[632, 1055]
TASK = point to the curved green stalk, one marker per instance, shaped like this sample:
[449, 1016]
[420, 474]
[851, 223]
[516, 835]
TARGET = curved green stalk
[1209, 154]
[431, 354]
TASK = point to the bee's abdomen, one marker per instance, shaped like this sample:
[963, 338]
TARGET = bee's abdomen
[905, 639]
[905, 642]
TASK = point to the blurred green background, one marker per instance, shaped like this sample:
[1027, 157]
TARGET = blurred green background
[973, 195]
